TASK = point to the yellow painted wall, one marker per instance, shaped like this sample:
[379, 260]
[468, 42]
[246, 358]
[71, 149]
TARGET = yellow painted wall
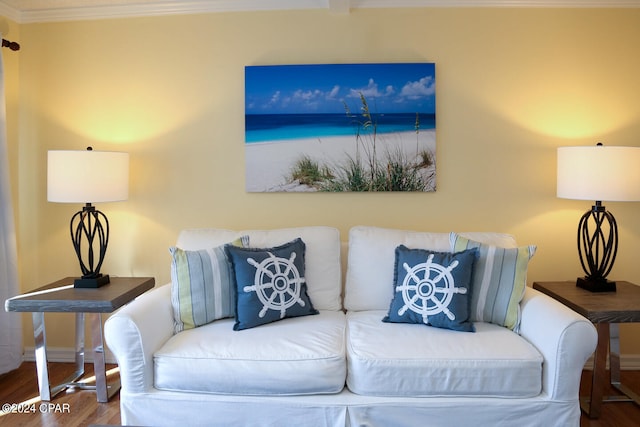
[512, 85]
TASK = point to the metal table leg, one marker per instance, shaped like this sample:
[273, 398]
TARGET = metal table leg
[104, 390]
[614, 369]
[39, 332]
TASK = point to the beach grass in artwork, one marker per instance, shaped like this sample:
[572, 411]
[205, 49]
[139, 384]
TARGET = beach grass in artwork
[340, 128]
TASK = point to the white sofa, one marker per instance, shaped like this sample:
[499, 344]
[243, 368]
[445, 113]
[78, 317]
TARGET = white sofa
[344, 366]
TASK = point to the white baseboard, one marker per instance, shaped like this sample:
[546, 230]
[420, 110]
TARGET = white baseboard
[65, 355]
[628, 362]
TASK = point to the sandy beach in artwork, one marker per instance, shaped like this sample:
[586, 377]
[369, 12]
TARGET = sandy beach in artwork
[269, 164]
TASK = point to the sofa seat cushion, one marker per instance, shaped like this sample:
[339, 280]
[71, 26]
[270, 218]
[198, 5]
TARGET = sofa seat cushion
[296, 356]
[412, 360]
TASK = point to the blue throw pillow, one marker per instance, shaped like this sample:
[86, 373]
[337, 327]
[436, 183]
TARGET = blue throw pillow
[270, 284]
[432, 288]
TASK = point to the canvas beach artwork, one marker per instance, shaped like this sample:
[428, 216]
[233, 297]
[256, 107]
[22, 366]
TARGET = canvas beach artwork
[340, 127]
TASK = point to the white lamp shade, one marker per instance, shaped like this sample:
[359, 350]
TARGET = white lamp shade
[599, 173]
[87, 176]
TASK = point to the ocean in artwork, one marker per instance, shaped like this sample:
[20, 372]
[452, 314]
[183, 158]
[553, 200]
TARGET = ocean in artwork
[279, 127]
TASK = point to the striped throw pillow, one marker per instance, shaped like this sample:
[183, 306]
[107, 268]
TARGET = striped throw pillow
[499, 281]
[202, 286]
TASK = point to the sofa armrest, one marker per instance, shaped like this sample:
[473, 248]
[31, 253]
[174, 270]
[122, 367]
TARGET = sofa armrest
[135, 332]
[565, 338]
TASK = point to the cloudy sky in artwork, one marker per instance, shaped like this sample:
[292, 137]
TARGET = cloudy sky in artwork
[316, 89]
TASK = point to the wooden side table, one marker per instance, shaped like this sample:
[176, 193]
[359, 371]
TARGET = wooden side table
[61, 296]
[606, 310]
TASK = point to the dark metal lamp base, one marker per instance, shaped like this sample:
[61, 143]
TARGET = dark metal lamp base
[91, 282]
[595, 285]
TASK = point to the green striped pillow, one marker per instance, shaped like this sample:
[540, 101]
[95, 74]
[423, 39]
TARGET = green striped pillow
[202, 285]
[499, 281]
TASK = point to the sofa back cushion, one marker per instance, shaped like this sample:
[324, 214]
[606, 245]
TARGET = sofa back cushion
[371, 258]
[322, 269]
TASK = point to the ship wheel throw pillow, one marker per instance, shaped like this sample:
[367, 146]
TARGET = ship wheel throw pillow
[270, 284]
[432, 288]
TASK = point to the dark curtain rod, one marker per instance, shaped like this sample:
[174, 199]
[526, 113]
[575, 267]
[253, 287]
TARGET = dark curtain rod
[11, 45]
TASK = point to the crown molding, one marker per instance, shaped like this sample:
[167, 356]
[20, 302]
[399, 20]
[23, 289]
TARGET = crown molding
[335, 6]
[498, 3]
[159, 9]
[9, 12]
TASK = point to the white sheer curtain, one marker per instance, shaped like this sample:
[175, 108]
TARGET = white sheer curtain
[10, 323]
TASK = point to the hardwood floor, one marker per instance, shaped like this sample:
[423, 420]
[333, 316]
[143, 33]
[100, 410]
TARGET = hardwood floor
[78, 408]
[618, 414]
[71, 408]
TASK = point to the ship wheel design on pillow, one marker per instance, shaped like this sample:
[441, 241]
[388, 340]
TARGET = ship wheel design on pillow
[277, 283]
[428, 288]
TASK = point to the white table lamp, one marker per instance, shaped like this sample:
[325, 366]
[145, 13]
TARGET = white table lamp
[88, 177]
[600, 174]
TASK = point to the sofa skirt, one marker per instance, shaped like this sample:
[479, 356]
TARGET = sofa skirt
[161, 408]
